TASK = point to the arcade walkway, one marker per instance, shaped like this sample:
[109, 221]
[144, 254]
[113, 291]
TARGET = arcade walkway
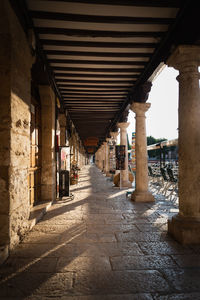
[102, 246]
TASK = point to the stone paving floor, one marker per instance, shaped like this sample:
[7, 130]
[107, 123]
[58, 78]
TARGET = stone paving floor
[100, 246]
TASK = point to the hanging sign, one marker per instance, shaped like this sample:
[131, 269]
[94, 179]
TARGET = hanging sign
[120, 157]
[133, 153]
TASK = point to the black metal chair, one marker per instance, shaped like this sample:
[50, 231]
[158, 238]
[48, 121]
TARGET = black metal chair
[154, 176]
[172, 179]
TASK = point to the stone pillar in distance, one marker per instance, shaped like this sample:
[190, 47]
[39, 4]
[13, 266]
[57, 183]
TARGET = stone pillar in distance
[114, 135]
[105, 154]
[123, 141]
[62, 122]
[48, 177]
[108, 159]
[141, 193]
[102, 157]
[185, 226]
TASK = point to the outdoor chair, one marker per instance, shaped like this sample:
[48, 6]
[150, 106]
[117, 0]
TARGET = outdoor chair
[154, 176]
[172, 179]
[166, 181]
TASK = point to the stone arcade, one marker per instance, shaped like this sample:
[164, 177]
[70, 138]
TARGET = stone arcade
[69, 73]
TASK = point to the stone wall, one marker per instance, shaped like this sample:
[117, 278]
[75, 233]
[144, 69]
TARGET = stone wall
[15, 78]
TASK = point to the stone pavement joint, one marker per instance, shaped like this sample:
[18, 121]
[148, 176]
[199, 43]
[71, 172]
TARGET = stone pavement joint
[101, 245]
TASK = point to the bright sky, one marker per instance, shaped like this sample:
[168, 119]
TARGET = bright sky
[162, 117]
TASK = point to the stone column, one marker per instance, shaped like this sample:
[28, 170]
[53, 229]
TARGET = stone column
[105, 157]
[123, 141]
[114, 136]
[185, 226]
[73, 149]
[77, 149]
[48, 174]
[97, 158]
[108, 159]
[101, 157]
[141, 193]
[62, 122]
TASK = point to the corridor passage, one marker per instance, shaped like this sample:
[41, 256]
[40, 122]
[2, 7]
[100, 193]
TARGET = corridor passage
[100, 245]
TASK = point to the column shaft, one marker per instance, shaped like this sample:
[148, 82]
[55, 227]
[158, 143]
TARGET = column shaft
[48, 183]
[141, 193]
[185, 226]
[123, 141]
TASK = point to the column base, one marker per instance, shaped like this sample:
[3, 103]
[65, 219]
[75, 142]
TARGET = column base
[126, 184]
[184, 230]
[142, 197]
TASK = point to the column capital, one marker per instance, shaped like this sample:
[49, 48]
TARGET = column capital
[108, 140]
[140, 108]
[123, 125]
[62, 120]
[184, 56]
[114, 134]
[104, 143]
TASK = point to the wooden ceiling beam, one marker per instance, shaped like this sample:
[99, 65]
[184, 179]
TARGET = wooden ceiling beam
[95, 88]
[143, 3]
[93, 104]
[96, 70]
[93, 96]
[96, 62]
[94, 101]
[64, 77]
[119, 44]
[89, 92]
[37, 14]
[98, 54]
[61, 82]
[98, 33]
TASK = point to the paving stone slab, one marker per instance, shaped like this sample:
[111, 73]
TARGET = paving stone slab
[148, 262]
[187, 261]
[25, 284]
[186, 296]
[164, 247]
[41, 238]
[109, 249]
[90, 263]
[105, 228]
[120, 282]
[16, 264]
[57, 229]
[47, 250]
[183, 280]
[151, 227]
[141, 236]
[140, 296]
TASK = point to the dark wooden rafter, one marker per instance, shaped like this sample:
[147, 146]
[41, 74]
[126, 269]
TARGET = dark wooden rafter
[98, 19]
[98, 33]
[98, 54]
[98, 44]
[98, 93]
[96, 70]
[103, 76]
[96, 62]
[94, 81]
[145, 3]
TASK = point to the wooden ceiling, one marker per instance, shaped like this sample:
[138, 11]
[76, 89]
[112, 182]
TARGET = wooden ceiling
[99, 51]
